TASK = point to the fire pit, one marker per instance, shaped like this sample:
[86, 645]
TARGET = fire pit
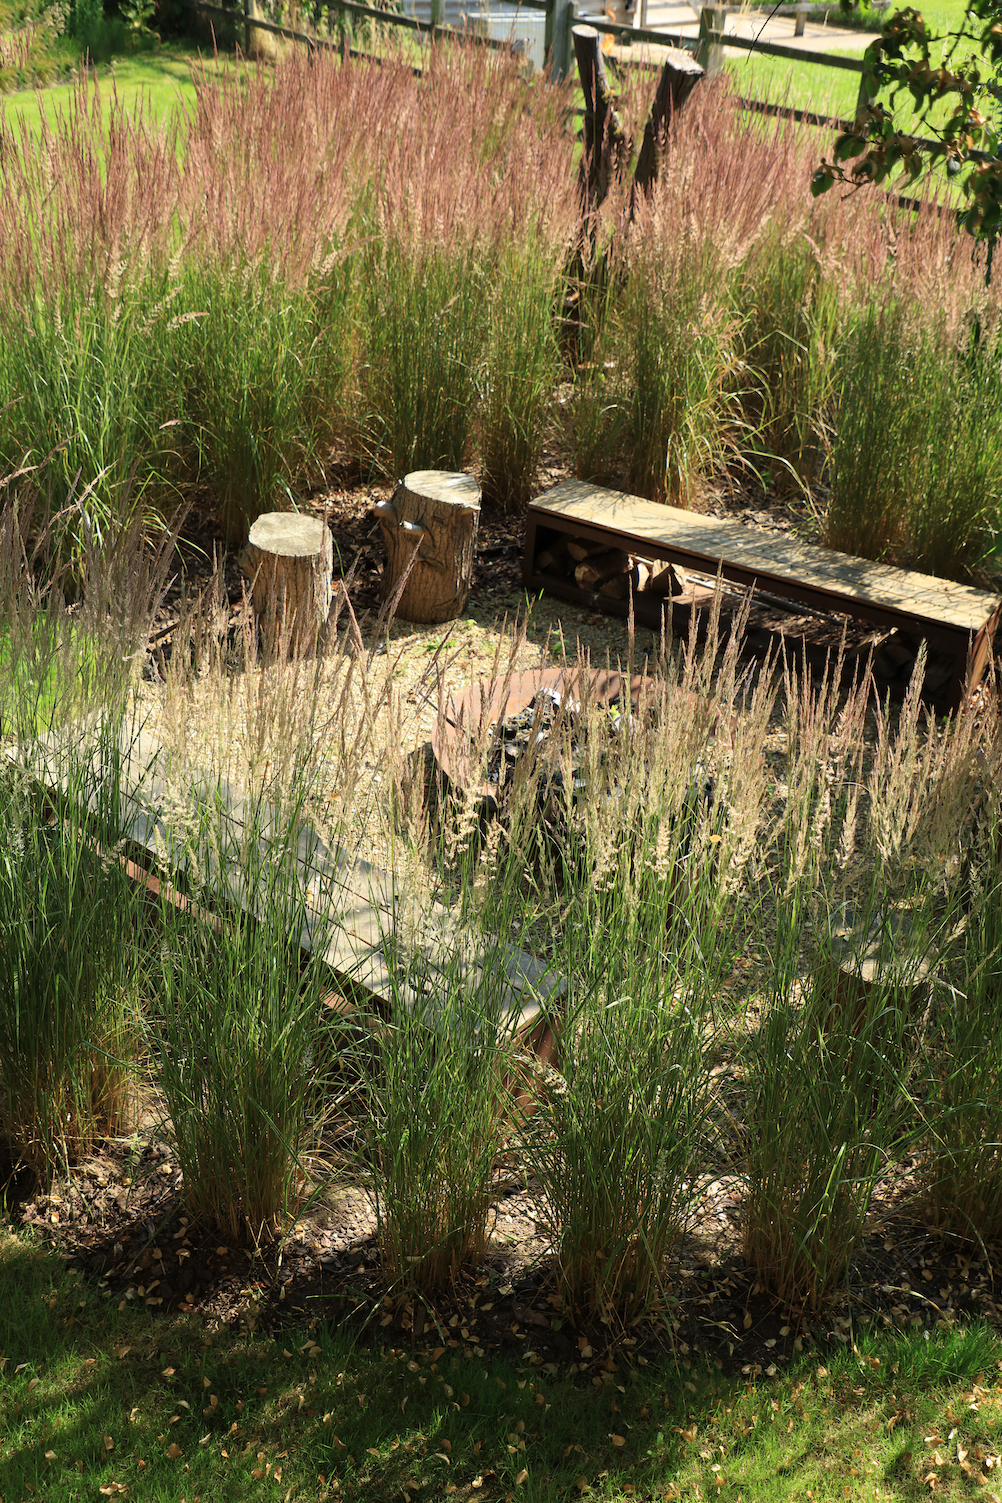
[514, 719]
[535, 727]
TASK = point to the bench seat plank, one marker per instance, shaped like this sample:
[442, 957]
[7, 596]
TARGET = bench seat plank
[401, 947]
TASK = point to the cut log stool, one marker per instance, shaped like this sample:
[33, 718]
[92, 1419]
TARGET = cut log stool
[289, 560]
[430, 530]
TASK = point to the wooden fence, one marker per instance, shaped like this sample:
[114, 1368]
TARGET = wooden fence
[708, 46]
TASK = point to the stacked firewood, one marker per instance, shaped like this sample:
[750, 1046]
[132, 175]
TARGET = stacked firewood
[610, 573]
[894, 659]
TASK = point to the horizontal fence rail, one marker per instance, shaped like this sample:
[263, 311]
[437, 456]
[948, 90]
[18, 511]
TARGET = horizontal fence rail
[707, 46]
[709, 36]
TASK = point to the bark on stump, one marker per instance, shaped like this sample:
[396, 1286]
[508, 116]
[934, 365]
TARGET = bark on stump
[430, 530]
[289, 560]
[679, 76]
[606, 144]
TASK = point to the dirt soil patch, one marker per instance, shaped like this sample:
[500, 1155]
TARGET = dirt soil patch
[120, 1220]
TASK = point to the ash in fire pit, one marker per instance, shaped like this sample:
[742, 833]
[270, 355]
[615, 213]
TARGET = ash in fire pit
[515, 720]
[539, 724]
[530, 731]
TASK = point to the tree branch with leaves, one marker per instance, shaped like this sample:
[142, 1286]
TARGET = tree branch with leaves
[910, 62]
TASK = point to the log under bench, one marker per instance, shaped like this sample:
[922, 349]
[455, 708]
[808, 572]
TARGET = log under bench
[957, 621]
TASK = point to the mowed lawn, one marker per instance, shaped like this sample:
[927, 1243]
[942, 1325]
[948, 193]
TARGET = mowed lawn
[162, 81]
[828, 91]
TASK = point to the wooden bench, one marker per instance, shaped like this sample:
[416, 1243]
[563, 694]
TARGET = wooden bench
[402, 948]
[957, 621]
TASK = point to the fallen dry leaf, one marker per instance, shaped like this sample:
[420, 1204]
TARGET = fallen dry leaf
[521, 1476]
[174, 1450]
[619, 1440]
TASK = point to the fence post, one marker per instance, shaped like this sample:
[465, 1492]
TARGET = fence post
[437, 14]
[710, 55]
[249, 13]
[557, 38]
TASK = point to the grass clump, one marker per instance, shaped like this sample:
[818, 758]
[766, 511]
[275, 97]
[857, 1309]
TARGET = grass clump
[517, 378]
[680, 361]
[624, 1128]
[962, 1163]
[191, 313]
[243, 356]
[436, 1131]
[920, 410]
[236, 1049]
[80, 414]
[425, 317]
[789, 337]
[656, 824]
[67, 990]
[828, 1093]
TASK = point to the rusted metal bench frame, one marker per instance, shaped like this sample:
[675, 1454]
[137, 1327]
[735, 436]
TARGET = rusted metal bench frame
[967, 645]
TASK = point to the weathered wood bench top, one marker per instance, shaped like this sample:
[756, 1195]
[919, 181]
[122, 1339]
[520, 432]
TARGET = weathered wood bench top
[774, 560]
[374, 930]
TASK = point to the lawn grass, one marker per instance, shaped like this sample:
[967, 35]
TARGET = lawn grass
[161, 80]
[826, 91]
[109, 1398]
